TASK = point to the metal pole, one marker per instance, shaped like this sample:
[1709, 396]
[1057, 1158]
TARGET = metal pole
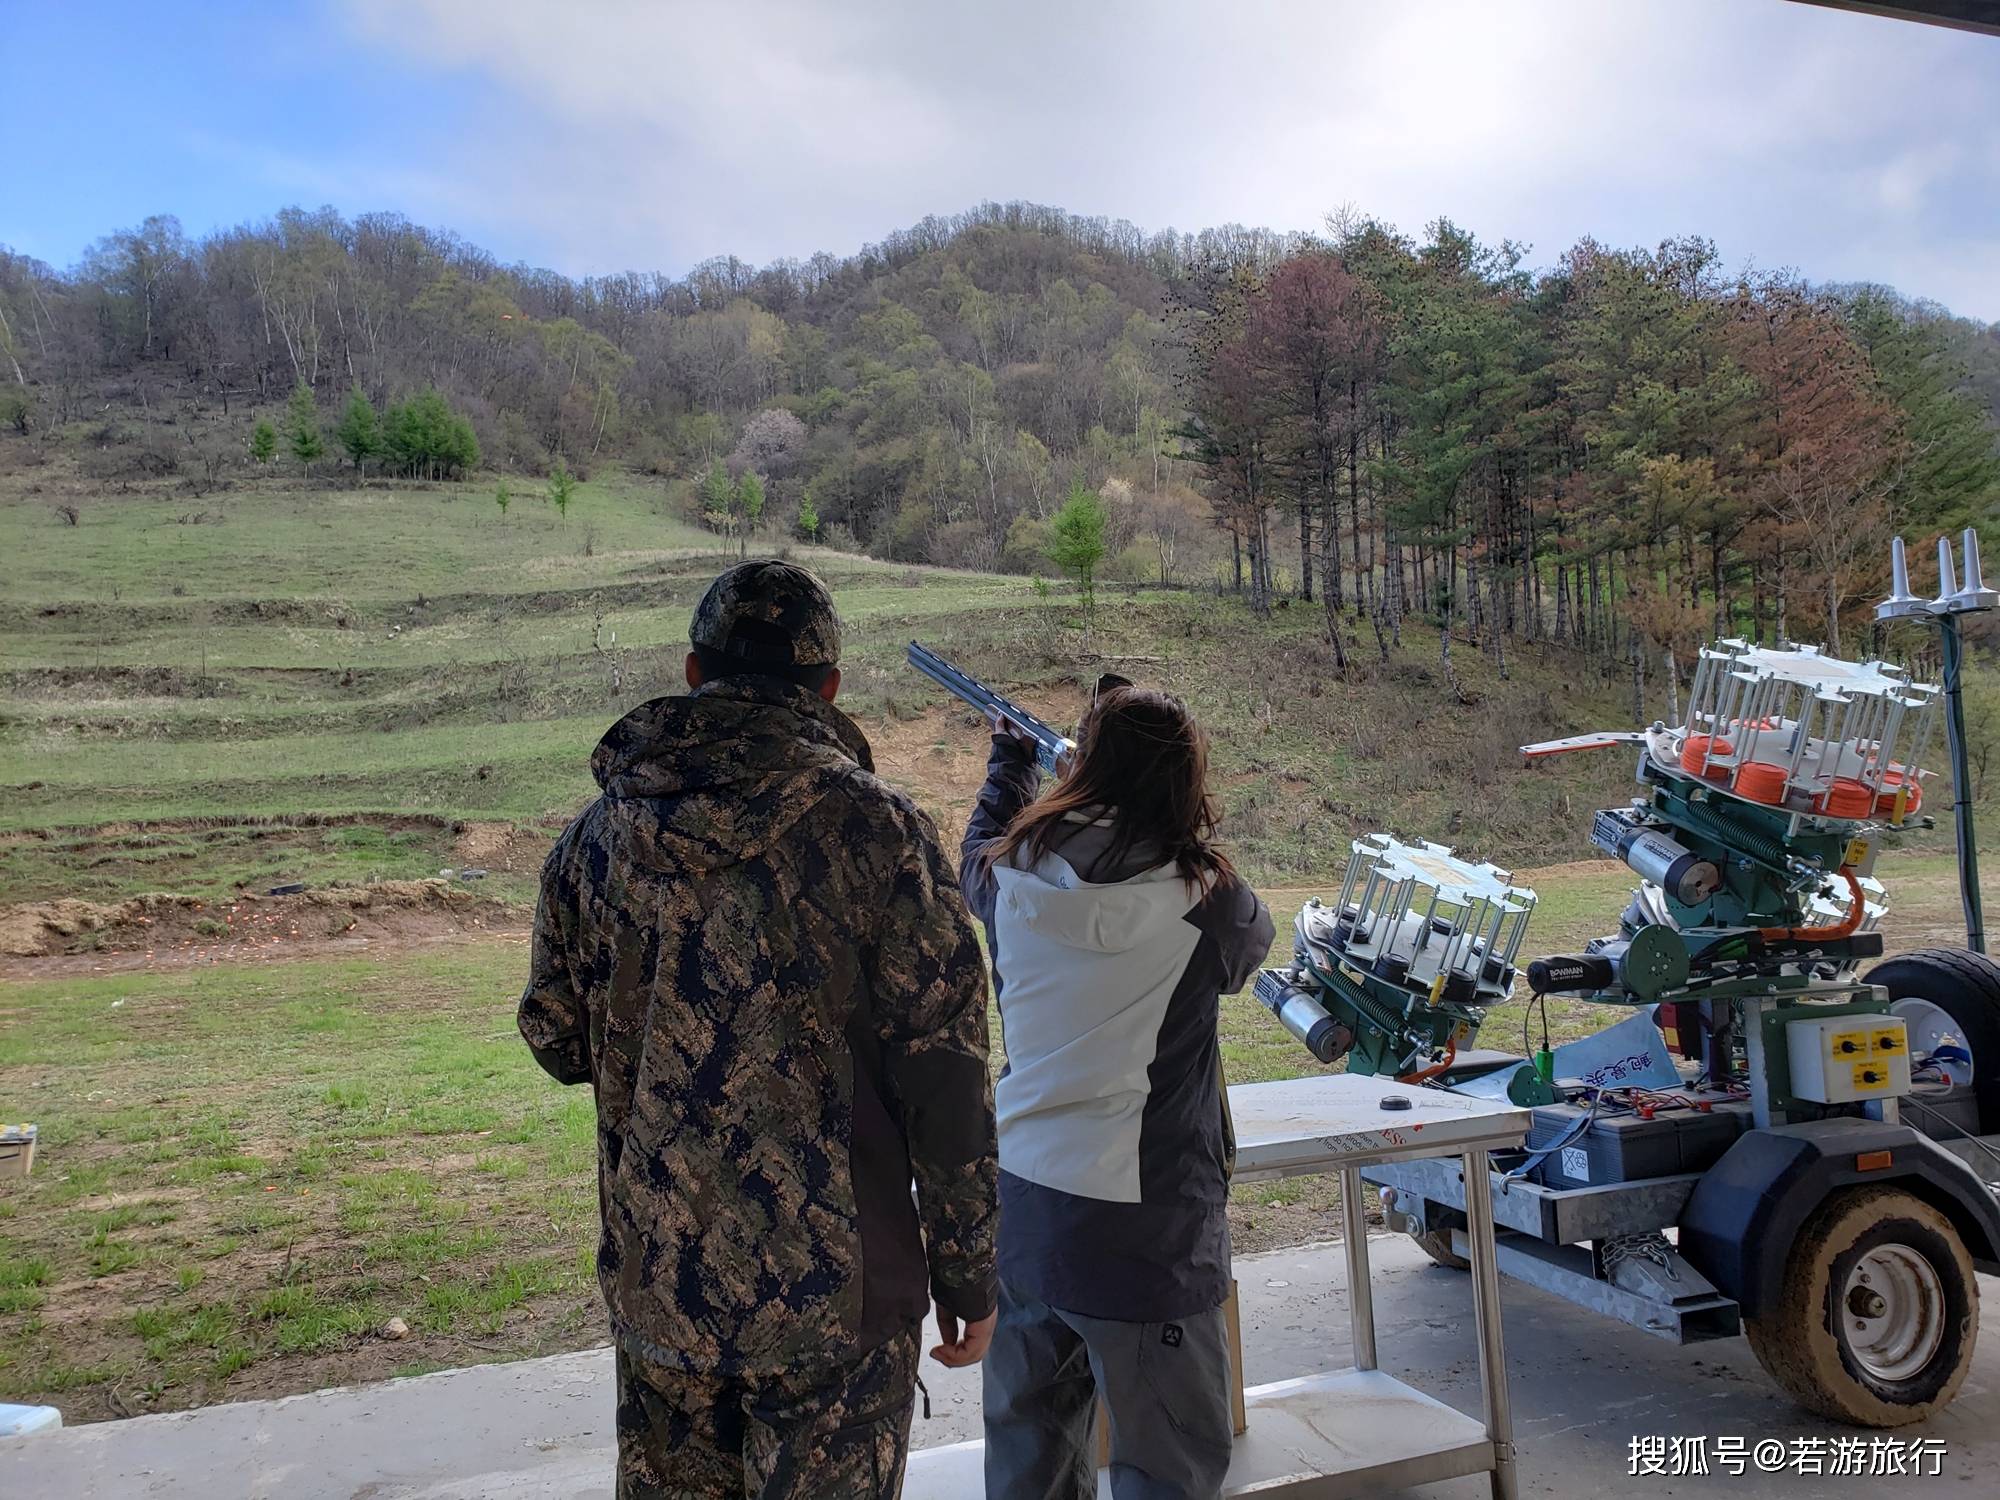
[1961, 783]
[1486, 1313]
[1360, 1293]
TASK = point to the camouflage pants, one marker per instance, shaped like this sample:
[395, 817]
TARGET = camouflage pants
[834, 1435]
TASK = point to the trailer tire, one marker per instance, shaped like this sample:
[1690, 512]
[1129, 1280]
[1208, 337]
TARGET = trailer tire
[1965, 986]
[1875, 1321]
[1436, 1243]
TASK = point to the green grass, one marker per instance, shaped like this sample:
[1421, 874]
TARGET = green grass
[430, 769]
[21, 1279]
[322, 1146]
[381, 542]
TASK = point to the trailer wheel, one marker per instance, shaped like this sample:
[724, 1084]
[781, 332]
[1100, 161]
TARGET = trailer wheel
[1875, 1320]
[1965, 986]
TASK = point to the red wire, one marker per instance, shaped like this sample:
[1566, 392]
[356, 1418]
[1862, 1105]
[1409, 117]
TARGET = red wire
[1845, 927]
[1450, 1056]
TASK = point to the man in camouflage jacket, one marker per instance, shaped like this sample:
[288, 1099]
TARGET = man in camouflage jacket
[756, 953]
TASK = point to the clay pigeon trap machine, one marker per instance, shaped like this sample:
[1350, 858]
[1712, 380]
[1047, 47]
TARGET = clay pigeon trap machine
[1777, 1133]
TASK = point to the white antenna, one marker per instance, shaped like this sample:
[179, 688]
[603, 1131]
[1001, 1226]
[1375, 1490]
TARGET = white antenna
[1975, 595]
[1947, 585]
[1901, 603]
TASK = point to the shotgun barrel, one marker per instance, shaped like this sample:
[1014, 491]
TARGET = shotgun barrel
[1050, 746]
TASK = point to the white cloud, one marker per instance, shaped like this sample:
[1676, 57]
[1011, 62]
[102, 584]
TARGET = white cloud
[651, 135]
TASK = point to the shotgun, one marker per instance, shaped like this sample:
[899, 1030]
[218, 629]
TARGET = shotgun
[1050, 746]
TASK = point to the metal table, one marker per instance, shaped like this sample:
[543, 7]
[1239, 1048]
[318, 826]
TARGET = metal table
[1355, 1431]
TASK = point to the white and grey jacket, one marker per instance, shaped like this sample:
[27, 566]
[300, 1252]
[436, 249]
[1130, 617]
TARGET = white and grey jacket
[1113, 1177]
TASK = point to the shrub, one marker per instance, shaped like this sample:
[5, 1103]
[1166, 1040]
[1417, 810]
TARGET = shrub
[1027, 545]
[1138, 562]
[17, 410]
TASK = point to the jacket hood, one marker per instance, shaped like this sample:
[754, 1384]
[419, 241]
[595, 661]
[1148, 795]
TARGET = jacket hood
[1058, 906]
[712, 778]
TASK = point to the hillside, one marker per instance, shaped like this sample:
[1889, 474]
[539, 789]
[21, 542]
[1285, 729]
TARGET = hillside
[421, 660]
[1619, 449]
[307, 684]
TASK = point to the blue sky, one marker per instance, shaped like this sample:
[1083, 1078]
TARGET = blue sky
[601, 135]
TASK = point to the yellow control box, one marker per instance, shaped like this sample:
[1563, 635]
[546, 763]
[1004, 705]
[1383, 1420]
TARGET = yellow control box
[1845, 1059]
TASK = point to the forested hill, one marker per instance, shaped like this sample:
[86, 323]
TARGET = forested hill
[1627, 445]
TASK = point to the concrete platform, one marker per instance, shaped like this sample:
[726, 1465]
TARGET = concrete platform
[542, 1429]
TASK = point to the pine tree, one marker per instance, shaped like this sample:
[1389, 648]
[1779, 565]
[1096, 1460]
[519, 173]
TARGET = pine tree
[303, 420]
[1952, 475]
[562, 485]
[501, 498]
[750, 500]
[263, 441]
[424, 436]
[359, 432]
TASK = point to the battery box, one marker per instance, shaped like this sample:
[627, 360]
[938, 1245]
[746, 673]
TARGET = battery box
[1630, 1148]
[1845, 1059]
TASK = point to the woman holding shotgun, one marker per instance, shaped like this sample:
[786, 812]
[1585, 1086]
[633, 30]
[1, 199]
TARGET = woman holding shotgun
[1115, 926]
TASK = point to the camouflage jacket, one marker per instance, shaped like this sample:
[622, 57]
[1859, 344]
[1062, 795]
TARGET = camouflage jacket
[758, 955]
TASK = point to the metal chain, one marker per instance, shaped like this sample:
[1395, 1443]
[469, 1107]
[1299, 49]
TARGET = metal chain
[1653, 1247]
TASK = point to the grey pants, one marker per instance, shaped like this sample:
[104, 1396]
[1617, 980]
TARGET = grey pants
[1166, 1386]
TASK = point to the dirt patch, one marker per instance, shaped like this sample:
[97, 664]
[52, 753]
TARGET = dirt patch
[161, 929]
[502, 847]
[939, 755]
[38, 928]
[1283, 780]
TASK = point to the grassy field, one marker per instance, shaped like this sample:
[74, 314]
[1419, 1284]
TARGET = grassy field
[410, 650]
[249, 1169]
[203, 667]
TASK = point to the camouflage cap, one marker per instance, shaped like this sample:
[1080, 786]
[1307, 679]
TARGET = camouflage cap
[767, 611]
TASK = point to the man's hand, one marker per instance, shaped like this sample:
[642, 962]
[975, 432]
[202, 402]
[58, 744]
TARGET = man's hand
[969, 1348]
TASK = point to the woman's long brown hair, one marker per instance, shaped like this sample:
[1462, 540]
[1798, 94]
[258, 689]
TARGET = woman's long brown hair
[1142, 761]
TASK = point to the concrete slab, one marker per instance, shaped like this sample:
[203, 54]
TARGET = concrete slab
[542, 1429]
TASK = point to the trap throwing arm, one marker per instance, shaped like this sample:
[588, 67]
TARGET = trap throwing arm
[1602, 739]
